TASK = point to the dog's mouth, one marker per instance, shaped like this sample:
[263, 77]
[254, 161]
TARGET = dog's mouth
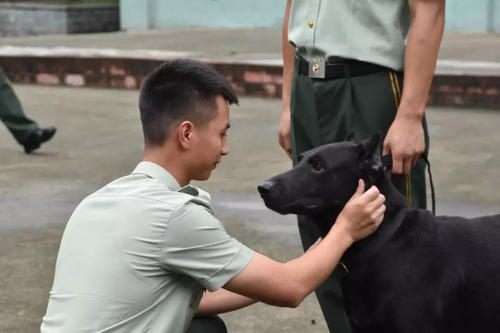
[283, 206]
[273, 203]
[275, 199]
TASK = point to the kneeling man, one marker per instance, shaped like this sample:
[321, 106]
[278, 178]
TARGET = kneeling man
[140, 254]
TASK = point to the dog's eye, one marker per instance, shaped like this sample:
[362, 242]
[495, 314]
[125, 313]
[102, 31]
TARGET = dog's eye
[317, 166]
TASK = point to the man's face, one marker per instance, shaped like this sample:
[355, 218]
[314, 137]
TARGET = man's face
[211, 142]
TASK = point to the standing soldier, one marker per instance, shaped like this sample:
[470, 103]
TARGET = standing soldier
[345, 66]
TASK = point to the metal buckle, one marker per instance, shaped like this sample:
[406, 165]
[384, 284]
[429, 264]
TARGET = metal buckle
[341, 270]
[317, 68]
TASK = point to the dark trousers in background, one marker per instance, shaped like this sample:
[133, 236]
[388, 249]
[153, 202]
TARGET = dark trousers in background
[11, 112]
[208, 324]
[329, 110]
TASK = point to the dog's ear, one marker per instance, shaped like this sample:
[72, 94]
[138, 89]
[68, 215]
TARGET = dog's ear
[370, 162]
[352, 137]
[372, 144]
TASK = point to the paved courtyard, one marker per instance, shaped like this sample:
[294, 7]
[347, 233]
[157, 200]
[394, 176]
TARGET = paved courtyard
[99, 139]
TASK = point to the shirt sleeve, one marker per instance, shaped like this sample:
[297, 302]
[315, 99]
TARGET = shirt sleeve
[196, 244]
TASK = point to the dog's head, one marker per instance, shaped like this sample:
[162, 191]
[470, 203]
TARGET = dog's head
[324, 178]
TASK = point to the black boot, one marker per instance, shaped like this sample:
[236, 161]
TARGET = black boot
[38, 137]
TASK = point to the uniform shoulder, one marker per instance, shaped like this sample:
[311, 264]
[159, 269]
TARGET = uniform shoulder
[141, 188]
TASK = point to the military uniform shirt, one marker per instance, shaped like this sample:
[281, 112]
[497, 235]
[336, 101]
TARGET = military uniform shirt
[368, 30]
[136, 256]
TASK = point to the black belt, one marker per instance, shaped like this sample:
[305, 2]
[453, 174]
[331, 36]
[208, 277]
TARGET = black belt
[342, 69]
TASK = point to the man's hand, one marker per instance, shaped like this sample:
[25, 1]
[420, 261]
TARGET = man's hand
[284, 131]
[362, 214]
[405, 141]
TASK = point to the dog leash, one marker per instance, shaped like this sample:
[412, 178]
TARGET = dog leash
[387, 162]
[433, 194]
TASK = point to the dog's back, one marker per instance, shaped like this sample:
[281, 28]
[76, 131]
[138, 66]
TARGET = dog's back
[435, 274]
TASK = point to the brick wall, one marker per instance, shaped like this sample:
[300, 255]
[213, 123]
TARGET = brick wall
[248, 79]
[35, 19]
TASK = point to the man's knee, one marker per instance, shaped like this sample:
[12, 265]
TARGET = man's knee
[208, 324]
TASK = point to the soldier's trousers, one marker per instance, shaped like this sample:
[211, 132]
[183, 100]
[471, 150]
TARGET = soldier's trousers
[11, 112]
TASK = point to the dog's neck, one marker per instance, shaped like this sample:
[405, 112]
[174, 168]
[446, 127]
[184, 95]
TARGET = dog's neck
[396, 206]
[395, 201]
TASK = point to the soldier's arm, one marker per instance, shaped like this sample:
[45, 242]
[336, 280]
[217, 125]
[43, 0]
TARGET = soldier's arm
[287, 284]
[405, 139]
[288, 52]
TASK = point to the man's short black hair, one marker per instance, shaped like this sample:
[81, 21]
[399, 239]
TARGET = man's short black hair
[179, 90]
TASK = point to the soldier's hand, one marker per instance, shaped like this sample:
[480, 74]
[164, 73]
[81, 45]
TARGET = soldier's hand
[284, 131]
[405, 140]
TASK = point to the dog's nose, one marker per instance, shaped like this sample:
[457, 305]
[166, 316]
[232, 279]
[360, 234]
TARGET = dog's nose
[266, 186]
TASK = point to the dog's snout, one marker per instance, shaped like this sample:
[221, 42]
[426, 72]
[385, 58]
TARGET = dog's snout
[266, 186]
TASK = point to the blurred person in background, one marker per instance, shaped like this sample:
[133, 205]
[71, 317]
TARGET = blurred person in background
[26, 131]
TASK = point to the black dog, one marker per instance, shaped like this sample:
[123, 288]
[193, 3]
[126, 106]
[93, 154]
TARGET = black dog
[417, 273]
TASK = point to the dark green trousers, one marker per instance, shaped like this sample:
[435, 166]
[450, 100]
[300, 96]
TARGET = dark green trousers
[207, 324]
[11, 112]
[325, 111]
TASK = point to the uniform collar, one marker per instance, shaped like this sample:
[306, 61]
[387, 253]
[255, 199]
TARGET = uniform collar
[155, 171]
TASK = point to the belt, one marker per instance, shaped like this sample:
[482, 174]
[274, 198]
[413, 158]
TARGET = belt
[342, 69]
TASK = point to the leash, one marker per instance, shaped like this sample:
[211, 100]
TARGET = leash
[387, 162]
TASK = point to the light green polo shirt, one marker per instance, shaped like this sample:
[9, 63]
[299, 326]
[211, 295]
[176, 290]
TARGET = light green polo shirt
[368, 30]
[136, 256]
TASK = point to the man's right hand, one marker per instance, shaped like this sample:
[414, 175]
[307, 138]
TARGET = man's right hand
[362, 214]
[284, 131]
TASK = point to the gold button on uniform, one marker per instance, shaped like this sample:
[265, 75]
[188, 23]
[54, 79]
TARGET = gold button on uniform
[310, 23]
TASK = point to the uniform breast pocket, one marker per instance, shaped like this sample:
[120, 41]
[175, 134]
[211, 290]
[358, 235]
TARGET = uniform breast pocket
[303, 21]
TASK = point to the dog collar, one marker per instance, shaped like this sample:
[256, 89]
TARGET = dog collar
[366, 248]
[387, 161]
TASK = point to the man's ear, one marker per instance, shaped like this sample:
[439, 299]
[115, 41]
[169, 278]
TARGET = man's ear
[370, 162]
[184, 133]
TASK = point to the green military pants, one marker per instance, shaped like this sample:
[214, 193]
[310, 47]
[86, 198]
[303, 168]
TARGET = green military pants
[329, 110]
[11, 112]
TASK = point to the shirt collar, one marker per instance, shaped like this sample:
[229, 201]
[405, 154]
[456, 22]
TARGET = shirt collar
[155, 171]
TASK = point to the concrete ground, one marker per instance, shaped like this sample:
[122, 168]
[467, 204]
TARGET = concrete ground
[99, 139]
